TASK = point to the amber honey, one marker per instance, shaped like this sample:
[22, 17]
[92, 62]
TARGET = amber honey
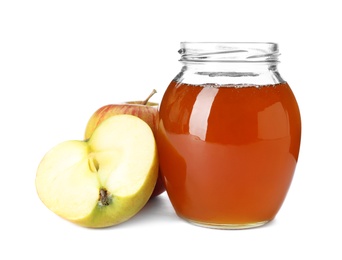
[228, 153]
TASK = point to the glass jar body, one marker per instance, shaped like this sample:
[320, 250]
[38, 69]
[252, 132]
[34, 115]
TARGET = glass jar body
[228, 139]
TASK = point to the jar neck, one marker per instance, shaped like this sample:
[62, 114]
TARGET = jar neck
[229, 63]
[229, 52]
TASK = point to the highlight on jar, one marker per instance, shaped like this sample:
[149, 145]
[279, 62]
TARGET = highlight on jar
[228, 135]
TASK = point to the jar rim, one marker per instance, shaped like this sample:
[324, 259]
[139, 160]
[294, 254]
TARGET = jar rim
[229, 52]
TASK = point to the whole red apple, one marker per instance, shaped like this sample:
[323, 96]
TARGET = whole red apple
[145, 110]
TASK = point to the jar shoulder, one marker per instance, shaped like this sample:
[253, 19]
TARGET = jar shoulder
[229, 76]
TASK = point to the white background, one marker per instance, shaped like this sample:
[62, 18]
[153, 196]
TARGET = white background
[61, 60]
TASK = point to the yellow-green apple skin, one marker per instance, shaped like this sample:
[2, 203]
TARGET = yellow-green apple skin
[147, 112]
[104, 180]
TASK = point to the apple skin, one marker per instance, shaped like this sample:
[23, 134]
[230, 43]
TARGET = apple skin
[147, 112]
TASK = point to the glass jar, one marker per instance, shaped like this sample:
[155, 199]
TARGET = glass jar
[228, 135]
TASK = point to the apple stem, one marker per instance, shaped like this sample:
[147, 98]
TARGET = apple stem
[148, 98]
[104, 198]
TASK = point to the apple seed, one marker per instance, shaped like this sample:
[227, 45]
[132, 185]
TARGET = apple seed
[93, 163]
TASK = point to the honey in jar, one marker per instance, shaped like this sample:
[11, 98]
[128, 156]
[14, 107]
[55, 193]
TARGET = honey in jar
[228, 135]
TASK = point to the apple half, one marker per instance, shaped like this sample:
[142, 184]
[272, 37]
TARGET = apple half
[104, 180]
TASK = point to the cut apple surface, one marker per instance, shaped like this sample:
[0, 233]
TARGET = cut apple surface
[104, 180]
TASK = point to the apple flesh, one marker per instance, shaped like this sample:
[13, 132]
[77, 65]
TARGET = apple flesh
[104, 180]
[145, 110]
